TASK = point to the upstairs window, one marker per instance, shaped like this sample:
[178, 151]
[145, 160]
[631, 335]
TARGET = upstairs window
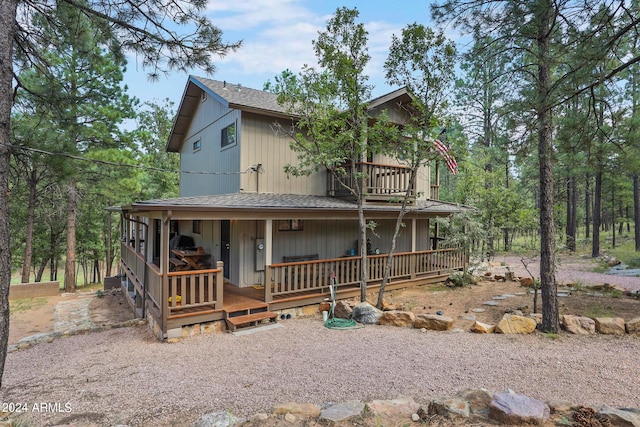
[197, 144]
[228, 135]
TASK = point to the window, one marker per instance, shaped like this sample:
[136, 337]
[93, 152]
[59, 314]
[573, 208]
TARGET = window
[197, 145]
[291, 225]
[203, 96]
[228, 135]
[197, 226]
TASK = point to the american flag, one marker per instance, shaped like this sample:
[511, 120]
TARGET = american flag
[448, 158]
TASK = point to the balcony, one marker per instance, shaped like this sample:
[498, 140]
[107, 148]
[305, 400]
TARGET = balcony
[380, 182]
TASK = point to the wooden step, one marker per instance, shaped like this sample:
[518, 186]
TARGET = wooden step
[247, 306]
[250, 319]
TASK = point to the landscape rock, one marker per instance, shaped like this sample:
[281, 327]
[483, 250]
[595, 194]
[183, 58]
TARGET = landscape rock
[610, 325]
[433, 322]
[342, 310]
[402, 406]
[479, 400]
[621, 417]
[342, 411]
[537, 317]
[613, 261]
[633, 326]
[217, 419]
[398, 318]
[482, 328]
[559, 406]
[300, 409]
[526, 282]
[578, 324]
[511, 324]
[366, 313]
[516, 409]
[450, 408]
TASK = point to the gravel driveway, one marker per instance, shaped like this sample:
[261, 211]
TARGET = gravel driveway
[125, 376]
[570, 270]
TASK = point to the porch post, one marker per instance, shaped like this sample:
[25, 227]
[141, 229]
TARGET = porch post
[412, 260]
[164, 269]
[268, 258]
[220, 286]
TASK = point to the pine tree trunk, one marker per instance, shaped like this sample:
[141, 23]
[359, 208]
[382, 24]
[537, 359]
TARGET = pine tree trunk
[28, 238]
[70, 262]
[8, 10]
[550, 320]
[587, 207]
[636, 209]
[597, 207]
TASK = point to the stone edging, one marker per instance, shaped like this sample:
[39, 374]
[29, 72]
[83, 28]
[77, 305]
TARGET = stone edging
[50, 336]
[467, 407]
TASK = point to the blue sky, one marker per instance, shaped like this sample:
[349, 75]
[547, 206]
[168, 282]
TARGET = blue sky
[277, 35]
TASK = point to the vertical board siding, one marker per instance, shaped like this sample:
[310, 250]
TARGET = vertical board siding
[207, 124]
[262, 145]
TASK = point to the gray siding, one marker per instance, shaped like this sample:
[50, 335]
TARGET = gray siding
[210, 157]
[262, 145]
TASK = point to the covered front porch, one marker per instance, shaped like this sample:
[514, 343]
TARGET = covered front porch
[177, 299]
[242, 258]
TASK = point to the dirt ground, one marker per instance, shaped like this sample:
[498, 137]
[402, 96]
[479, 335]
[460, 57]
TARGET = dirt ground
[37, 315]
[575, 275]
[459, 303]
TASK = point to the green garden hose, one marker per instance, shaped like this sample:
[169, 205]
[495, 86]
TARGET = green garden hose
[336, 322]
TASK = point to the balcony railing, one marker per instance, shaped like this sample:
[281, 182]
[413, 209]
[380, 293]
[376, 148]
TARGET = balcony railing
[379, 182]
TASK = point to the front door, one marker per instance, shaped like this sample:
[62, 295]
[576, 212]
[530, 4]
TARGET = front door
[225, 240]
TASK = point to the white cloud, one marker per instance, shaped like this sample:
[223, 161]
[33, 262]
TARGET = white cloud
[278, 34]
[246, 14]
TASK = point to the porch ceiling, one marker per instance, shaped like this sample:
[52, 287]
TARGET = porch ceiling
[263, 206]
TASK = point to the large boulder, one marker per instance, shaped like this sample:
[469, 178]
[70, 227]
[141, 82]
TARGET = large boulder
[402, 406]
[621, 417]
[342, 310]
[610, 325]
[479, 400]
[366, 313]
[512, 324]
[398, 318]
[633, 326]
[343, 411]
[433, 322]
[578, 324]
[516, 409]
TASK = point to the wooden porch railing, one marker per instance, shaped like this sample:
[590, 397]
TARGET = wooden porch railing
[378, 181]
[298, 277]
[196, 288]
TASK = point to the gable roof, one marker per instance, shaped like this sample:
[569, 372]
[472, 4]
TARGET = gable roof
[238, 97]
[230, 95]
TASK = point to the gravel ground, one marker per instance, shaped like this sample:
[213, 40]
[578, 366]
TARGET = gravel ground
[570, 270]
[125, 376]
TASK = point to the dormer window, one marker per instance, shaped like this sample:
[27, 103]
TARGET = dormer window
[228, 135]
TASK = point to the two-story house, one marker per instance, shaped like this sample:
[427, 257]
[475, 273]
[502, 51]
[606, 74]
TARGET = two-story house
[244, 241]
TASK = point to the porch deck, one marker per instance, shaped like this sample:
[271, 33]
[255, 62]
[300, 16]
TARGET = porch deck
[205, 296]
